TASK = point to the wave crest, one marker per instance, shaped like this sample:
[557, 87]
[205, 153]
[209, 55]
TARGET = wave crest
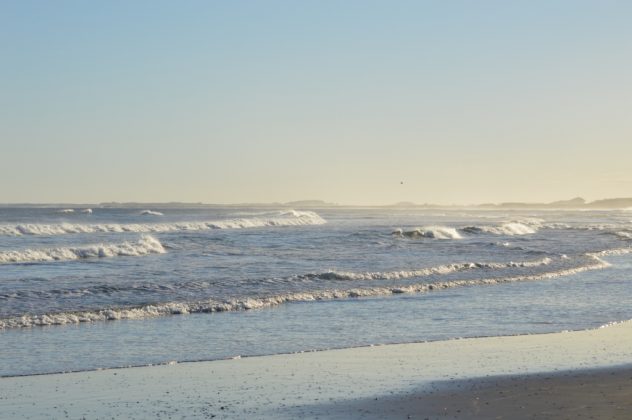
[293, 218]
[151, 213]
[435, 232]
[144, 246]
[442, 269]
[624, 234]
[527, 227]
[177, 308]
[510, 229]
[611, 252]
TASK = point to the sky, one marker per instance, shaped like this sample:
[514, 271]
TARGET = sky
[274, 101]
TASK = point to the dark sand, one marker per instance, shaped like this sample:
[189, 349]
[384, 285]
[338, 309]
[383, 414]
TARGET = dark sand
[584, 394]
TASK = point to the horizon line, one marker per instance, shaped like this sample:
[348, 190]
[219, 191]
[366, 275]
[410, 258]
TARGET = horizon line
[576, 202]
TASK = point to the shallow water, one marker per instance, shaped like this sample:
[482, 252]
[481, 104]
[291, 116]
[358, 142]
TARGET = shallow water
[493, 273]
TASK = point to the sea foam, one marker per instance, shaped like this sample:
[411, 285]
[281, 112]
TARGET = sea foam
[197, 286]
[208, 306]
[422, 272]
[286, 218]
[435, 232]
[151, 213]
[611, 252]
[144, 246]
[510, 229]
[525, 227]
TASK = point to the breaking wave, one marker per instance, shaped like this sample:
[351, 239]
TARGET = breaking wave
[510, 229]
[287, 218]
[611, 252]
[436, 232]
[200, 285]
[526, 227]
[144, 246]
[405, 274]
[151, 213]
[624, 234]
[208, 306]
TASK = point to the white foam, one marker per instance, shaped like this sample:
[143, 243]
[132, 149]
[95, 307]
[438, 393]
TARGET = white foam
[66, 211]
[176, 308]
[435, 232]
[151, 213]
[293, 218]
[530, 221]
[624, 234]
[524, 227]
[518, 229]
[422, 272]
[587, 227]
[295, 213]
[613, 252]
[510, 229]
[144, 246]
[86, 211]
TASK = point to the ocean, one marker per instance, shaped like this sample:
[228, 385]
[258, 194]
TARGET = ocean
[84, 289]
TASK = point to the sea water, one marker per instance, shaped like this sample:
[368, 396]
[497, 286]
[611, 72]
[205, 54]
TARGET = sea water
[109, 287]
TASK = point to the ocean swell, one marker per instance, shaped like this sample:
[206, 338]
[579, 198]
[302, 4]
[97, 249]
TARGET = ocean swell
[198, 286]
[422, 272]
[207, 306]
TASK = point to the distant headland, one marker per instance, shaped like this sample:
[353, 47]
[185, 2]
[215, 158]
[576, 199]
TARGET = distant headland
[577, 203]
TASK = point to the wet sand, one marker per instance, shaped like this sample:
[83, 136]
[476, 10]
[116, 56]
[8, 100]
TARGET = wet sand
[583, 394]
[345, 383]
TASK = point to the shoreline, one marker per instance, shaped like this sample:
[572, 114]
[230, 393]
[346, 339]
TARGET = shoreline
[317, 350]
[314, 383]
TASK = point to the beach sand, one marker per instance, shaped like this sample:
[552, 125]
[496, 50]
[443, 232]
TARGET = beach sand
[580, 394]
[422, 380]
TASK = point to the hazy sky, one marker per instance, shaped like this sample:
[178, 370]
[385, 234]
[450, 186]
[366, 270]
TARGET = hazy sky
[259, 101]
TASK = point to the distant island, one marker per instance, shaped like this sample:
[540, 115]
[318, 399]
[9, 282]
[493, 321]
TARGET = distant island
[575, 203]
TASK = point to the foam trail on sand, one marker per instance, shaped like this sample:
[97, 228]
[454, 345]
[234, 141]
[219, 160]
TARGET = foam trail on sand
[288, 218]
[144, 246]
[176, 308]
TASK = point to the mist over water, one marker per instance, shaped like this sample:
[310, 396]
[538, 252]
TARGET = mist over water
[210, 271]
